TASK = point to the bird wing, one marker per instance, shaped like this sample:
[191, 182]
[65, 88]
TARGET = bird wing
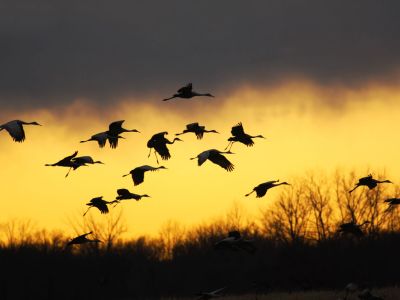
[67, 159]
[123, 192]
[101, 138]
[15, 130]
[137, 176]
[115, 127]
[237, 130]
[101, 205]
[158, 136]
[221, 160]
[202, 157]
[192, 126]
[186, 88]
[162, 149]
[199, 131]
[246, 139]
[113, 140]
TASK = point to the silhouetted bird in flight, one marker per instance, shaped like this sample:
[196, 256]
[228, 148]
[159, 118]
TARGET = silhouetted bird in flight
[16, 130]
[73, 162]
[216, 157]
[82, 239]
[210, 295]
[240, 136]
[66, 162]
[102, 137]
[369, 182]
[392, 202]
[352, 228]
[197, 130]
[234, 241]
[263, 188]
[124, 194]
[159, 143]
[138, 173]
[114, 130]
[187, 92]
[100, 204]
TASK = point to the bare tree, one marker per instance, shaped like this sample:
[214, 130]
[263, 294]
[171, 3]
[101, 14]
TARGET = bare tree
[170, 235]
[318, 195]
[107, 228]
[288, 219]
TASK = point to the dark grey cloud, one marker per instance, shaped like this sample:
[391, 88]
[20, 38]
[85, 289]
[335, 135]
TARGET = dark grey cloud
[54, 51]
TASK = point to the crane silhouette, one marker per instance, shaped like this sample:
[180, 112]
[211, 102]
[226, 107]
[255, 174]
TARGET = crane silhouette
[124, 194]
[235, 241]
[66, 162]
[102, 137]
[114, 130]
[100, 204]
[73, 162]
[263, 188]
[187, 92]
[82, 239]
[240, 136]
[210, 295]
[138, 173]
[197, 130]
[369, 182]
[216, 157]
[392, 202]
[352, 228]
[158, 142]
[15, 129]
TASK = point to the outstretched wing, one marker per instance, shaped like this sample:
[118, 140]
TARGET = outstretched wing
[222, 161]
[123, 192]
[68, 158]
[113, 140]
[187, 88]
[192, 126]
[162, 149]
[237, 130]
[137, 176]
[101, 205]
[16, 131]
[115, 127]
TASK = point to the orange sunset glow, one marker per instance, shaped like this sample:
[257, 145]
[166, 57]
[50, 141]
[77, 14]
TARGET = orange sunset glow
[302, 134]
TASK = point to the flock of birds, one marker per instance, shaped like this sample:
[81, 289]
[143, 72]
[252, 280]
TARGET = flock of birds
[158, 144]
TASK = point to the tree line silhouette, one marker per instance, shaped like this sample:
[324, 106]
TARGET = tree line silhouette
[297, 239]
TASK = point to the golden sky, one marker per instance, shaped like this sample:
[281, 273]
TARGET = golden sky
[303, 133]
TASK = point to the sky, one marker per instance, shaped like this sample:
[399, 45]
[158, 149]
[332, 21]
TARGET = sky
[318, 79]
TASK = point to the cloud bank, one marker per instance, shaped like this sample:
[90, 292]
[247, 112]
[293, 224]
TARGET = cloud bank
[54, 52]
